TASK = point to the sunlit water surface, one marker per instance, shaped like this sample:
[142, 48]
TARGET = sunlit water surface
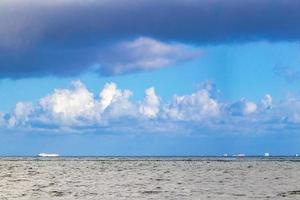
[149, 178]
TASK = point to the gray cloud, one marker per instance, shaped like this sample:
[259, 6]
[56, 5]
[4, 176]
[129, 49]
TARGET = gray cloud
[143, 54]
[63, 37]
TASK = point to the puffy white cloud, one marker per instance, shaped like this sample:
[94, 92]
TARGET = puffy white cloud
[151, 103]
[250, 107]
[111, 94]
[76, 106]
[115, 102]
[289, 109]
[242, 107]
[20, 114]
[144, 54]
[78, 109]
[197, 106]
[67, 105]
[267, 101]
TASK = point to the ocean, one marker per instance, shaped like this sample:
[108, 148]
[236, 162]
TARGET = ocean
[150, 178]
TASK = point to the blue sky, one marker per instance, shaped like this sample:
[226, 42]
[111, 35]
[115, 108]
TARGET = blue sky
[217, 81]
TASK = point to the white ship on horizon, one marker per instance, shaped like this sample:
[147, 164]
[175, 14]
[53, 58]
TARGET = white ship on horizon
[239, 155]
[48, 154]
[267, 155]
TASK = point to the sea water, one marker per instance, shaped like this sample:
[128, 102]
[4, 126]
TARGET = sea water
[149, 178]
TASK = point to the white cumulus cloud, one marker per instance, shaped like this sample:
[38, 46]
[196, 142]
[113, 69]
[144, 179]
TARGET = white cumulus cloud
[242, 107]
[111, 94]
[267, 101]
[20, 115]
[67, 105]
[197, 106]
[151, 103]
[115, 102]
[78, 109]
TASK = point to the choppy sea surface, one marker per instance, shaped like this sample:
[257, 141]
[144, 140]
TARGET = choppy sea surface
[149, 178]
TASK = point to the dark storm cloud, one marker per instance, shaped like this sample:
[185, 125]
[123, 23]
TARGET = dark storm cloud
[63, 37]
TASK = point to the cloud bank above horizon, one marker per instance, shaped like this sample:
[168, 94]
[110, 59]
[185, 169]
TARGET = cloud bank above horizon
[66, 38]
[111, 111]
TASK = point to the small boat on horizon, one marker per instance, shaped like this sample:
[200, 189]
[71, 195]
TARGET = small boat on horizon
[239, 155]
[48, 154]
[266, 154]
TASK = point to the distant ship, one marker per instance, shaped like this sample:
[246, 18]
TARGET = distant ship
[267, 154]
[48, 155]
[239, 155]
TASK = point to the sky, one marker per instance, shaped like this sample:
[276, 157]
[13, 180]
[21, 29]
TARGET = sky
[149, 77]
